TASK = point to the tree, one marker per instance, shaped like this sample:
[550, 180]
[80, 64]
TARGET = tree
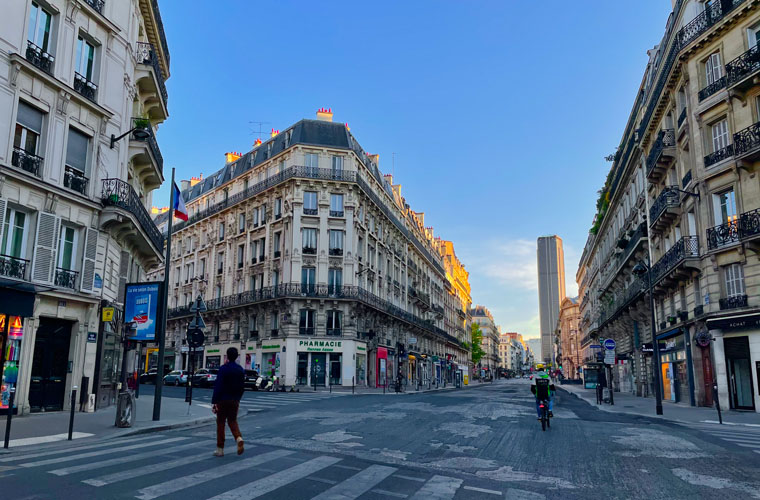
[477, 339]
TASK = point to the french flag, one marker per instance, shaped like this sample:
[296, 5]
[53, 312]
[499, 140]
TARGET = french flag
[180, 211]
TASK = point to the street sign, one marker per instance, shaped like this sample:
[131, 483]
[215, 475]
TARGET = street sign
[195, 337]
[107, 314]
[198, 305]
[595, 346]
[92, 336]
[609, 357]
[412, 340]
[197, 322]
[609, 344]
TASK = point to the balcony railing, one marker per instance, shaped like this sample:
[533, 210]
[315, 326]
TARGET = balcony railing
[85, 87]
[146, 54]
[335, 332]
[686, 247]
[722, 235]
[336, 251]
[743, 66]
[75, 180]
[734, 302]
[711, 89]
[310, 211]
[306, 330]
[747, 141]
[309, 251]
[152, 144]
[669, 198]
[26, 161]
[686, 179]
[39, 57]
[336, 213]
[118, 193]
[749, 224]
[276, 254]
[706, 20]
[665, 139]
[13, 267]
[96, 4]
[65, 278]
[719, 155]
[682, 117]
[160, 26]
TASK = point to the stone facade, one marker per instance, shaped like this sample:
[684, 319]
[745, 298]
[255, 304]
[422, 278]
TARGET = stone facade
[490, 343]
[569, 341]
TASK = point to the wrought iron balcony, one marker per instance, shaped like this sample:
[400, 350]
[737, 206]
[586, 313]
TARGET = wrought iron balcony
[151, 142]
[747, 142]
[668, 198]
[261, 257]
[336, 213]
[704, 21]
[310, 211]
[85, 87]
[75, 180]
[13, 267]
[686, 179]
[336, 251]
[722, 235]
[719, 155]
[145, 54]
[96, 4]
[734, 302]
[26, 161]
[699, 311]
[749, 225]
[276, 254]
[306, 330]
[743, 67]
[65, 278]
[662, 150]
[39, 57]
[334, 332]
[711, 89]
[309, 251]
[682, 117]
[685, 248]
[120, 194]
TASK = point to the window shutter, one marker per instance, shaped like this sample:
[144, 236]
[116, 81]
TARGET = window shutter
[88, 260]
[45, 245]
[3, 206]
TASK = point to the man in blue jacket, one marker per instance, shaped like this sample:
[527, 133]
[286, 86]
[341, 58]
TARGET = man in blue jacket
[228, 389]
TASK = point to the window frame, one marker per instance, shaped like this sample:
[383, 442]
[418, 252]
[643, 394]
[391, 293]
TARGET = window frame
[74, 244]
[11, 215]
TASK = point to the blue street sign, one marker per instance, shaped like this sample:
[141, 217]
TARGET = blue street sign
[595, 346]
[609, 344]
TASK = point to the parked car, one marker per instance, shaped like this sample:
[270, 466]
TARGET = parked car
[149, 377]
[250, 379]
[205, 377]
[177, 377]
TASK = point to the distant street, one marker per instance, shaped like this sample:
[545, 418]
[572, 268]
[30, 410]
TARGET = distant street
[481, 442]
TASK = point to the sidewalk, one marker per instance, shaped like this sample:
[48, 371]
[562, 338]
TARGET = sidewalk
[391, 389]
[627, 403]
[51, 427]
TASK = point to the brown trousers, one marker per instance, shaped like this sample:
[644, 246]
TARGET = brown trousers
[226, 412]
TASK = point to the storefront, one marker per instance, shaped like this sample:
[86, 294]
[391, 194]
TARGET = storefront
[675, 367]
[737, 344]
[11, 337]
[381, 379]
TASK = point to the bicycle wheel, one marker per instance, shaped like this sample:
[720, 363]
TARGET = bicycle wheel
[544, 420]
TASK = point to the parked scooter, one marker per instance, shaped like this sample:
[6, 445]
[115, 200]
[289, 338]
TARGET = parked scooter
[264, 384]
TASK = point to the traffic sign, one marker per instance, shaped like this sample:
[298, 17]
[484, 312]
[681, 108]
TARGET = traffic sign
[197, 322]
[195, 337]
[609, 357]
[595, 346]
[412, 340]
[609, 344]
[198, 305]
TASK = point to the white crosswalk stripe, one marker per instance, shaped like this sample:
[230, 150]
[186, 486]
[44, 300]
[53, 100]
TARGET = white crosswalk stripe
[18, 458]
[438, 488]
[278, 479]
[734, 435]
[357, 484]
[99, 452]
[145, 470]
[183, 482]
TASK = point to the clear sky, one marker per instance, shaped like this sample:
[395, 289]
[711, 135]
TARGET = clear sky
[499, 112]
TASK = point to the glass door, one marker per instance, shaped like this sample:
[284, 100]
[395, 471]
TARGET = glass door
[739, 371]
[318, 363]
[11, 333]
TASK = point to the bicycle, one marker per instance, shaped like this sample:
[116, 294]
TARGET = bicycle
[544, 409]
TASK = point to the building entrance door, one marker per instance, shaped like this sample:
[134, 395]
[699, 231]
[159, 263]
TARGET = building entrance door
[49, 365]
[739, 370]
[318, 363]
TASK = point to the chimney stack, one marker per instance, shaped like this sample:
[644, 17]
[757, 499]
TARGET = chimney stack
[184, 184]
[324, 114]
[257, 143]
[231, 157]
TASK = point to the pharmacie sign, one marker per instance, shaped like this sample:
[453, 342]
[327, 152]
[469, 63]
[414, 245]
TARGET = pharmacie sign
[320, 345]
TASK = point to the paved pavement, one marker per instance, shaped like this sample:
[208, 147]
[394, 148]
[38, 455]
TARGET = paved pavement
[472, 444]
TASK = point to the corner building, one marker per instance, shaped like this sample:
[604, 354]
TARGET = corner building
[75, 229]
[684, 191]
[315, 267]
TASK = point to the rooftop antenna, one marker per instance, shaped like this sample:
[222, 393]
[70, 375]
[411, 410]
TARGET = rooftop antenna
[260, 124]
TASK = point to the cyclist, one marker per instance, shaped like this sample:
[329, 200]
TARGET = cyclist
[542, 387]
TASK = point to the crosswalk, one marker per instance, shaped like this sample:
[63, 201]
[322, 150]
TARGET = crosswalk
[262, 401]
[181, 466]
[737, 435]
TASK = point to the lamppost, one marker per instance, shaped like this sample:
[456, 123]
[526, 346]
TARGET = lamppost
[640, 270]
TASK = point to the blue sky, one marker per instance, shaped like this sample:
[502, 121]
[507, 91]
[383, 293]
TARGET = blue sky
[499, 112]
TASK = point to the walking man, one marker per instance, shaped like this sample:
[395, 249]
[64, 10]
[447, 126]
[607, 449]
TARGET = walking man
[228, 389]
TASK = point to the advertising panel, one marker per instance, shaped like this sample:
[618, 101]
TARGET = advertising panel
[141, 306]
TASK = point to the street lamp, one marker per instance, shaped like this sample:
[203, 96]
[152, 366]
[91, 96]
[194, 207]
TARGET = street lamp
[141, 133]
[640, 270]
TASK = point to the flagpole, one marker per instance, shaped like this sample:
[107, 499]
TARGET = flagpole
[164, 310]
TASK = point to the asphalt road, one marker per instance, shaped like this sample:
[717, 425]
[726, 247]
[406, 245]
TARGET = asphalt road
[479, 443]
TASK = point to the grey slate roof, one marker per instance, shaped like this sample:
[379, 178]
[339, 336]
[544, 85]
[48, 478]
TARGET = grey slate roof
[307, 132]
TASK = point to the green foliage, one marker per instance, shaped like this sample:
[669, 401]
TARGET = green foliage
[477, 339]
[142, 123]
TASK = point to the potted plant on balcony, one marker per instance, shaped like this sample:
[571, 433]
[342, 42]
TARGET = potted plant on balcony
[142, 123]
[672, 320]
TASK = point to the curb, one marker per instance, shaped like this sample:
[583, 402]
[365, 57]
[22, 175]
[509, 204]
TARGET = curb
[177, 425]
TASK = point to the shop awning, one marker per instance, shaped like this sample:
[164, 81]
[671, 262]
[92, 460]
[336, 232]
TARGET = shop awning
[670, 333]
[738, 322]
[17, 298]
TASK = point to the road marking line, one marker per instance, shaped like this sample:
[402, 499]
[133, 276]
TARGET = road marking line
[124, 459]
[47, 439]
[145, 470]
[358, 484]
[77, 448]
[99, 452]
[349, 467]
[389, 493]
[180, 483]
[320, 480]
[482, 490]
[278, 480]
[438, 488]
[410, 478]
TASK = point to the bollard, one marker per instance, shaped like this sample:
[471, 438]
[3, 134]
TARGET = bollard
[10, 415]
[137, 386]
[715, 395]
[71, 415]
[353, 383]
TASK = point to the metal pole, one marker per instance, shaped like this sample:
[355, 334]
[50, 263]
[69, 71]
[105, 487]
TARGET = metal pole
[715, 394]
[71, 415]
[161, 330]
[655, 345]
[10, 416]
